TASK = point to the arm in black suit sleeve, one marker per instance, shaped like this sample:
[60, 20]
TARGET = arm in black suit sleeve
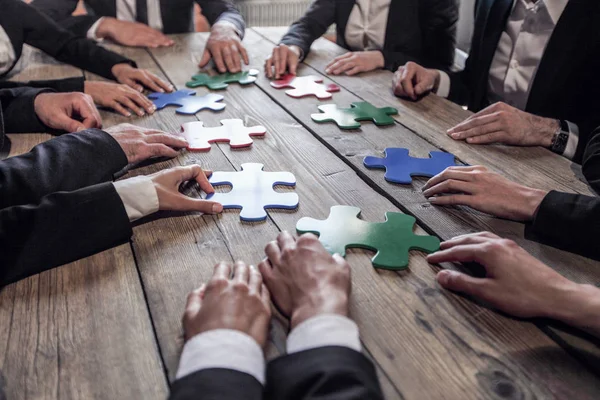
[315, 22]
[438, 25]
[222, 10]
[325, 373]
[569, 222]
[61, 11]
[63, 227]
[66, 163]
[66, 85]
[591, 161]
[41, 32]
[217, 384]
[18, 111]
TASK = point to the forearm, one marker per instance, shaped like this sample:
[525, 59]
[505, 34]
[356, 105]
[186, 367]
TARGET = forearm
[439, 23]
[66, 85]
[578, 305]
[311, 26]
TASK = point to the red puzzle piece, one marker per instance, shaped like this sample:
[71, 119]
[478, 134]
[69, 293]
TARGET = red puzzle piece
[233, 131]
[305, 86]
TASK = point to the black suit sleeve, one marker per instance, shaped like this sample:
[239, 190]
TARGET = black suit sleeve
[66, 85]
[39, 31]
[438, 26]
[62, 10]
[18, 110]
[222, 10]
[569, 222]
[315, 22]
[591, 161]
[326, 373]
[217, 384]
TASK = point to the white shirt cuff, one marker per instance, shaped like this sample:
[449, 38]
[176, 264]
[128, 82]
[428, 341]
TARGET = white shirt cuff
[91, 33]
[324, 330]
[138, 195]
[222, 348]
[443, 89]
[572, 142]
[230, 25]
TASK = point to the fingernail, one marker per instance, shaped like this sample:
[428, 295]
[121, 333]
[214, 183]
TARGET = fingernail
[141, 113]
[455, 136]
[217, 208]
[443, 277]
[327, 71]
[469, 140]
[129, 114]
[432, 199]
[153, 107]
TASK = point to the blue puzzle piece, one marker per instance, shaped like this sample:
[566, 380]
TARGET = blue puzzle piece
[252, 191]
[400, 167]
[187, 101]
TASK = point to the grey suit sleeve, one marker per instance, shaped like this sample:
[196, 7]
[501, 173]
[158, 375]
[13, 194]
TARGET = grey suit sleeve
[222, 10]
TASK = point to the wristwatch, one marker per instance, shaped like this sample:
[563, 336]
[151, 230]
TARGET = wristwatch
[560, 138]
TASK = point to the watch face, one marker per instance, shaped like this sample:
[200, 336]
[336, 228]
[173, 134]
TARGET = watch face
[560, 141]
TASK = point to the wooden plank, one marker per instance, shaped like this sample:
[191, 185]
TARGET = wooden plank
[430, 117]
[81, 330]
[430, 343]
[446, 222]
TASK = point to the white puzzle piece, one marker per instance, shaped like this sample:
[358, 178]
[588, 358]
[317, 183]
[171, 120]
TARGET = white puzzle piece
[200, 137]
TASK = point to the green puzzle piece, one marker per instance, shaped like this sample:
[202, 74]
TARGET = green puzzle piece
[221, 81]
[348, 118]
[392, 239]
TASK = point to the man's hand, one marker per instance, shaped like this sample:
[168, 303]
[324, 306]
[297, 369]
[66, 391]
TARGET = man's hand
[131, 33]
[240, 303]
[225, 48]
[139, 78]
[412, 80]
[168, 181]
[69, 112]
[355, 62]
[304, 279]
[141, 143]
[501, 123]
[486, 191]
[284, 58]
[120, 98]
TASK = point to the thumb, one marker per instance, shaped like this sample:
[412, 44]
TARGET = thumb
[205, 59]
[423, 87]
[462, 283]
[68, 124]
[293, 64]
[185, 203]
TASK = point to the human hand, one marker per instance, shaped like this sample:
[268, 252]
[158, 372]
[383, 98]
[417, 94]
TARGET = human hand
[131, 33]
[483, 190]
[516, 282]
[355, 62]
[240, 303]
[284, 58]
[69, 112]
[225, 48]
[304, 279]
[138, 78]
[501, 123]
[119, 97]
[412, 80]
[168, 181]
[141, 143]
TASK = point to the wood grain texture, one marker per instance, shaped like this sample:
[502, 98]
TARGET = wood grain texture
[80, 331]
[447, 222]
[429, 343]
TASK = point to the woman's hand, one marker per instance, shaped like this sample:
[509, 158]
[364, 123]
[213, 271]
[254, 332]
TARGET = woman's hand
[120, 98]
[355, 62]
[139, 78]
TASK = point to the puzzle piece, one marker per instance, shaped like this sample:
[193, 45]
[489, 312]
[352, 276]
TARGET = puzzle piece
[305, 86]
[348, 118]
[221, 81]
[400, 167]
[233, 131]
[187, 101]
[392, 239]
[252, 191]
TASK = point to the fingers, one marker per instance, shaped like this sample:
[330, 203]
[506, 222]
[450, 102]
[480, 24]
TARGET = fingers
[354, 71]
[292, 63]
[235, 55]
[132, 83]
[64, 122]
[131, 105]
[406, 81]
[457, 173]
[244, 53]
[155, 83]
[265, 296]
[217, 57]
[194, 300]
[269, 67]
[494, 137]
[255, 281]
[195, 172]
[119, 108]
[282, 61]
[266, 271]
[471, 238]
[88, 112]
[462, 253]
[222, 271]
[166, 139]
[286, 241]
[185, 203]
[273, 253]
[205, 59]
[338, 58]
[228, 59]
[276, 56]
[450, 186]
[476, 127]
[241, 272]
[462, 283]
[341, 66]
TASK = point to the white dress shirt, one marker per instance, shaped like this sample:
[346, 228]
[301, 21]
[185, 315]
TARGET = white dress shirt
[138, 195]
[126, 11]
[7, 52]
[518, 55]
[367, 25]
[230, 349]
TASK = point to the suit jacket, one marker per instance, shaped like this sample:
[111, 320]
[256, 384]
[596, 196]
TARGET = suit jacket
[566, 84]
[177, 15]
[326, 373]
[26, 25]
[57, 202]
[417, 30]
[572, 221]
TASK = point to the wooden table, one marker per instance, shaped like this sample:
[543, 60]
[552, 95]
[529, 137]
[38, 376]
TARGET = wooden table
[108, 327]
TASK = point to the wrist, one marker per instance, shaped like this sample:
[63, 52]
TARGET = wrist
[379, 58]
[119, 68]
[437, 77]
[532, 200]
[549, 128]
[312, 307]
[577, 305]
[105, 29]
[296, 50]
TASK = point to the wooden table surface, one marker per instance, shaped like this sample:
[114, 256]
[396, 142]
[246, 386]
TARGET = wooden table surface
[108, 327]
